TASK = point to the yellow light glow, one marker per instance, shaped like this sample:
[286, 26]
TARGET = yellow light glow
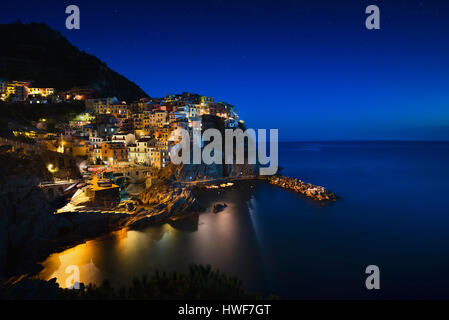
[52, 168]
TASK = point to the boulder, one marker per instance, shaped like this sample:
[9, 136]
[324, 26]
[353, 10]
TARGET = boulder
[218, 207]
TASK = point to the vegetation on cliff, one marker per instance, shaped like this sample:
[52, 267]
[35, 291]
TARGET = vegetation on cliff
[16, 115]
[20, 165]
[199, 282]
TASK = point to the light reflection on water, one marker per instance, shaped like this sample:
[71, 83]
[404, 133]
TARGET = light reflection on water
[56, 265]
[225, 240]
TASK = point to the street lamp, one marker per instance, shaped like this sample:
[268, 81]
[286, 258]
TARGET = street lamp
[51, 168]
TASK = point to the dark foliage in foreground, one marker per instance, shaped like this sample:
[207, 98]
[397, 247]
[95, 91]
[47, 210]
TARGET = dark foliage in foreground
[200, 282]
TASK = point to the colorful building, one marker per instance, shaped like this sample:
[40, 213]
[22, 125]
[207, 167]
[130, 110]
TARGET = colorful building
[19, 91]
[138, 152]
[207, 100]
[78, 94]
[92, 104]
[158, 118]
[114, 152]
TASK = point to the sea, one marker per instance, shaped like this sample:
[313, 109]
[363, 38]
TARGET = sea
[392, 212]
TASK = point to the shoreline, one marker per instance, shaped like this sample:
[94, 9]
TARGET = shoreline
[317, 193]
[167, 202]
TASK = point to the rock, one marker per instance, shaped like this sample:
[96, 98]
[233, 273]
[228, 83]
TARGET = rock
[307, 189]
[130, 206]
[218, 207]
[33, 289]
[178, 207]
[197, 172]
[26, 222]
[166, 201]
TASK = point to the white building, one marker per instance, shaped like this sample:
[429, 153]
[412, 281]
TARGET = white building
[127, 139]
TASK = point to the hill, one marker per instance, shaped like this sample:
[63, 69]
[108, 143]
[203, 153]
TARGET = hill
[36, 52]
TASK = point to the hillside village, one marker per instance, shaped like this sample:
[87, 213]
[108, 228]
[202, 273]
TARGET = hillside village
[116, 133]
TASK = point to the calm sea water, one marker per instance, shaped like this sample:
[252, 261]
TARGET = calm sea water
[393, 213]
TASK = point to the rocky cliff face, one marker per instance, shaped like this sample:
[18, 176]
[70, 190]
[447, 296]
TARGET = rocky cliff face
[27, 224]
[198, 172]
[25, 216]
[164, 201]
[28, 228]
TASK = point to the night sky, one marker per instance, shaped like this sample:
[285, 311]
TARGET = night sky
[309, 68]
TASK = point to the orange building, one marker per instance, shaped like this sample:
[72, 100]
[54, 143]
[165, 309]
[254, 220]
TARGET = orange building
[162, 134]
[158, 157]
[114, 152]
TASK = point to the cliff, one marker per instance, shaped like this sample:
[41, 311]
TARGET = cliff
[29, 230]
[26, 222]
[203, 172]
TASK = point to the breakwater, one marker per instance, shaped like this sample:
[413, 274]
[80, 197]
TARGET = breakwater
[307, 189]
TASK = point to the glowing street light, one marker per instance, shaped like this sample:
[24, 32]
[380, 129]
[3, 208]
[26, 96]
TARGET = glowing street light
[51, 168]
